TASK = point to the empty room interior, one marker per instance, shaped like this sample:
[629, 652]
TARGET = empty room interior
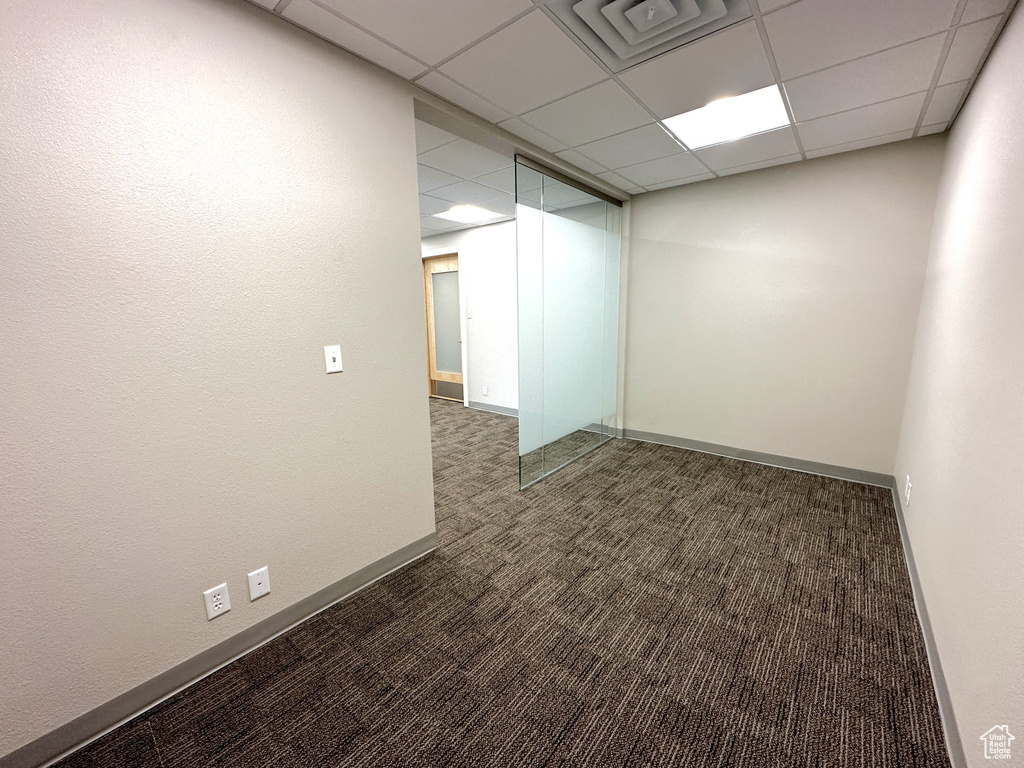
[511, 383]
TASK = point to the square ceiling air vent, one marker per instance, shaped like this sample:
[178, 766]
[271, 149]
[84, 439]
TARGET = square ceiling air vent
[624, 33]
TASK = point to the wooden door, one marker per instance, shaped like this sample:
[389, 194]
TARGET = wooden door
[444, 326]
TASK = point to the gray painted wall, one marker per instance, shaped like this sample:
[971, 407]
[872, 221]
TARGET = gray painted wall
[963, 432]
[192, 206]
[774, 311]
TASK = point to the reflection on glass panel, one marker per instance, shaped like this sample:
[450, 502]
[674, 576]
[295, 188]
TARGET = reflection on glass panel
[568, 262]
[448, 350]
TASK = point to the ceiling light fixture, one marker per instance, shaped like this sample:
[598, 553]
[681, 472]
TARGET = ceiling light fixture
[468, 214]
[730, 119]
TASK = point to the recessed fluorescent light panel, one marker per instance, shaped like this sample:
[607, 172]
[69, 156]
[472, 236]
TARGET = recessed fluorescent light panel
[468, 214]
[730, 119]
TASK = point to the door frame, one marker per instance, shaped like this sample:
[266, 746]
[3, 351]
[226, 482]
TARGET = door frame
[444, 262]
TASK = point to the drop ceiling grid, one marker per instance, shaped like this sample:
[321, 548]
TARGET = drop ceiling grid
[808, 62]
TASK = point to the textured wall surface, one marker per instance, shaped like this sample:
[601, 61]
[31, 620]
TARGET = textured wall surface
[963, 431]
[774, 311]
[194, 199]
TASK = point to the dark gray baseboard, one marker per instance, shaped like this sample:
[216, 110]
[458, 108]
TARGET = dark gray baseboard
[954, 745]
[502, 409]
[771, 459]
[95, 723]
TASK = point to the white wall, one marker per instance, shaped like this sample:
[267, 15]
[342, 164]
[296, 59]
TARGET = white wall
[487, 280]
[193, 204]
[774, 311]
[963, 431]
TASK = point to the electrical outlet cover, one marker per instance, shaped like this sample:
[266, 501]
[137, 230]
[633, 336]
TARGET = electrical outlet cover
[218, 601]
[259, 583]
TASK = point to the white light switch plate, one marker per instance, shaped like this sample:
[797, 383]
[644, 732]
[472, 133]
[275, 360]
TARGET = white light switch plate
[259, 583]
[332, 356]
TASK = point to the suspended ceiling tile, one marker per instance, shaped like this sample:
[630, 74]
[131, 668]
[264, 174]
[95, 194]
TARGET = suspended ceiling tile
[503, 180]
[636, 146]
[429, 29]
[467, 193]
[680, 182]
[878, 77]
[861, 124]
[944, 102]
[636, 191]
[967, 50]
[928, 130]
[269, 4]
[814, 34]
[617, 181]
[581, 162]
[980, 9]
[532, 135]
[752, 149]
[758, 166]
[430, 178]
[526, 64]
[767, 6]
[456, 94]
[431, 205]
[429, 137]
[726, 63]
[464, 159]
[602, 110]
[861, 144]
[662, 169]
[340, 32]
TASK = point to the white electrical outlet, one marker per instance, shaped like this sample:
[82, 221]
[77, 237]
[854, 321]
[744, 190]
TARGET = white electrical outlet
[218, 601]
[259, 583]
[485, 390]
[907, 490]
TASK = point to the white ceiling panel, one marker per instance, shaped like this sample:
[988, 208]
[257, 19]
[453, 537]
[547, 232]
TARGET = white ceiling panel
[928, 130]
[581, 162]
[814, 34]
[863, 123]
[526, 64]
[879, 77]
[636, 146]
[429, 29]
[767, 6]
[503, 180]
[727, 63]
[980, 9]
[429, 178]
[861, 144]
[602, 110]
[429, 137]
[431, 205]
[532, 135]
[758, 166]
[340, 32]
[617, 181]
[967, 49]
[464, 159]
[636, 191]
[944, 102]
[663, 169]
[269, 4]
[752, 149]
[679, 182]
[456, 94]
[467, 193]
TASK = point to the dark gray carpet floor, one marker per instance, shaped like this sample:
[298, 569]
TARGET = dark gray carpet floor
[646, 606]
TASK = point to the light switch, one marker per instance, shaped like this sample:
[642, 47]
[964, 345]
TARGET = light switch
[332, 356]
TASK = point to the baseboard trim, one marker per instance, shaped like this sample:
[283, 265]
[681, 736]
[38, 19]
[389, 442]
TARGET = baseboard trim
[502, 409]
[85, 729]
[771, 459]
[954, 745]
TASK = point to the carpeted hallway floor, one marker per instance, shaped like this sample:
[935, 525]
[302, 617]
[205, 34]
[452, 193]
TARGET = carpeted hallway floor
[647, 606]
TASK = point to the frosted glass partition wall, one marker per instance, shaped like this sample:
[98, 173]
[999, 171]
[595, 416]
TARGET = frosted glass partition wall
[568, 271]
